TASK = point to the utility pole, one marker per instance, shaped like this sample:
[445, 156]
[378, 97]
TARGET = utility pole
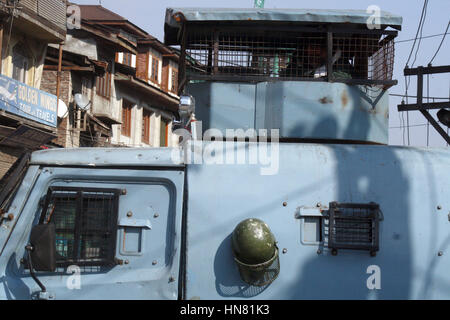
[422, 106]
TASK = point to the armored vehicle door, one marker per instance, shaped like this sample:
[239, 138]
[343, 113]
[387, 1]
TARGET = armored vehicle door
[116, 234]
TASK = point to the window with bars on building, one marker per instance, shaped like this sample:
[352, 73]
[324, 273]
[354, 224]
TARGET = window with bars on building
[103, 85]
[256, 53]
[85, 220]
[164, 133]
[174, 84]
[155, 70]
[146, 117]
[127, 108]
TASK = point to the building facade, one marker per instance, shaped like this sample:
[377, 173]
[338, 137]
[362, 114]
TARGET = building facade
[122, 75]
[27, 115]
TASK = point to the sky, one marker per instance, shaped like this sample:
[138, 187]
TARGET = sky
[150, 14]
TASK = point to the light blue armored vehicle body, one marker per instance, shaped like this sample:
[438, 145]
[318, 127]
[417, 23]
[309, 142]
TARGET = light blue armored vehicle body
[341, 215]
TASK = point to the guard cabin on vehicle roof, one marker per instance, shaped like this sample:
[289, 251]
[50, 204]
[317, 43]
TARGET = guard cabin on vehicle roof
[316, 75]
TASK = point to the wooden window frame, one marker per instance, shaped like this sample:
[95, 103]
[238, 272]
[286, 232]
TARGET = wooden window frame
[127, 59]
[174, 84]
[127, 108]
[166, 131]
[155, 75]
[103, 85]
[146, 126]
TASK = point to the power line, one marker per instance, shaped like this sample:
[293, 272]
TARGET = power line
[442, 41]
[418, 29]
[412, 126]
[421, 33]
[426, 37]
[403, 96]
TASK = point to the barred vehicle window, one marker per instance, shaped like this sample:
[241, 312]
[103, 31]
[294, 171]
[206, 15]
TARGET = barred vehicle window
[86, 224]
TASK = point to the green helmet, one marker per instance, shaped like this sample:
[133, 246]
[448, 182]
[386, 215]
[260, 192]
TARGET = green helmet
[253, 243]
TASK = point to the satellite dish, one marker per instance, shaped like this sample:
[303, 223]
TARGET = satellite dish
[82, 102]
[62, 109]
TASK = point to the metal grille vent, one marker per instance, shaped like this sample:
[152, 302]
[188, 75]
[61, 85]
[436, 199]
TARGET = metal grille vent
[86, 225]
[354, 226]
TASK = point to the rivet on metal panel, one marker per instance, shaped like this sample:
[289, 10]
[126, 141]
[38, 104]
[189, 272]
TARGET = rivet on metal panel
[439, 207]
[284, 251]
[156, 215]
[319, 205]
[440, 253]
[319, 251]
[155, 263]
[124, 192]
[284, 204]
[127, 262]
[129, 214]
[171, 279]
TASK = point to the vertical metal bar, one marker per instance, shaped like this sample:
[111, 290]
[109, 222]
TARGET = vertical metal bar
[1, 47]
[216, 52]
[78, 225]
[330, 56]
[208, 70]
[420, 87]
[58, 76]
[182, 61]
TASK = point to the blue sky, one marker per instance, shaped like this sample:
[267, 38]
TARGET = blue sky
[149, 15]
